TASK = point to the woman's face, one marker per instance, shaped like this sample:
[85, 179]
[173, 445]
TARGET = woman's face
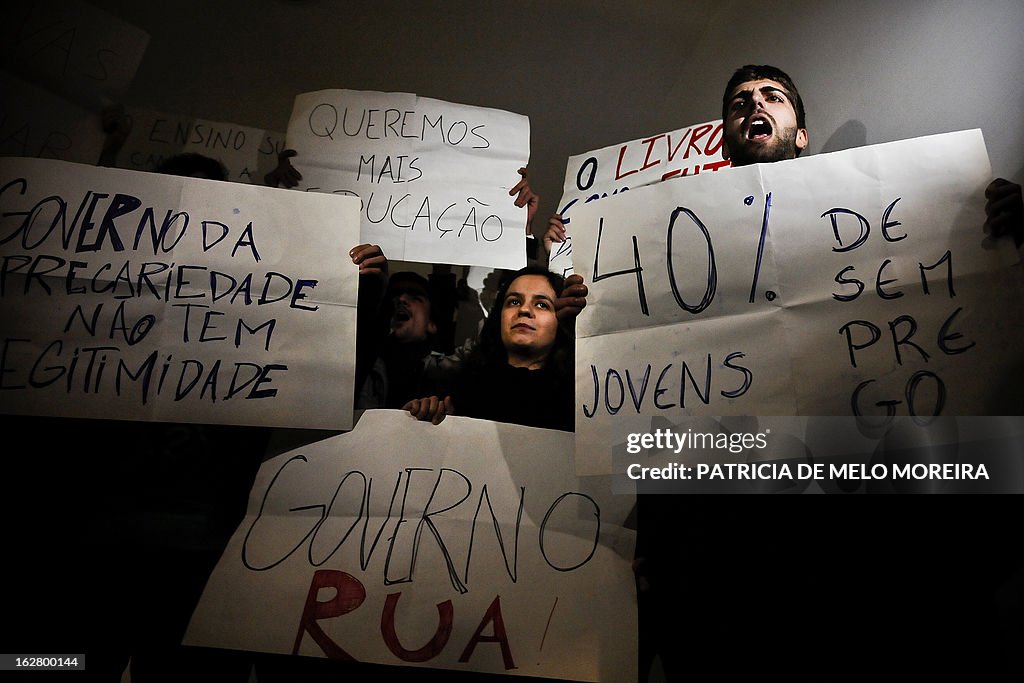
[528, 322]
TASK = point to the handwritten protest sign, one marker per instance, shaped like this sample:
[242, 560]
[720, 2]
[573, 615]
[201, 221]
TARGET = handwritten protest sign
[608, 171]
[470, 545]
[247, 153]
[858, 282]
[129, 295]
[73, 49]
[433, 176]
[36, 123]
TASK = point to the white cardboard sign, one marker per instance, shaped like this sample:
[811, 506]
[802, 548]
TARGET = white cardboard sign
[433, 176]
[133, 295]
[469, 545]
[857, 282]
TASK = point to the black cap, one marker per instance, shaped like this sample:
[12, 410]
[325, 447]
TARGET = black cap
[408, 281]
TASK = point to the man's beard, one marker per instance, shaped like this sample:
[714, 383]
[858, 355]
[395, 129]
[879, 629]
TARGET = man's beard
[779, 149]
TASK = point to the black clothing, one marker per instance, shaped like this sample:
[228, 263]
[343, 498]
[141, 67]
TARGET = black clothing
[503, 393]
[407, 371]
[126, 520]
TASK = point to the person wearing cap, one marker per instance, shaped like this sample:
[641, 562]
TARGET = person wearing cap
[401, 348]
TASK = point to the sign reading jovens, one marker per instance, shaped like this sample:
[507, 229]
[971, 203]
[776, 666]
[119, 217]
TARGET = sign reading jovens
[133, 295]
[433, 176]
[470, 545]
[855, 282]
[611, 170]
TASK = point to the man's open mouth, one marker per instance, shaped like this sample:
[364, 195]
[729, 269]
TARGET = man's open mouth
[759, 129]
[401, 315]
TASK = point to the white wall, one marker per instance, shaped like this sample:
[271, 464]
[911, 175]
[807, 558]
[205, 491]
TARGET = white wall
[591, 74]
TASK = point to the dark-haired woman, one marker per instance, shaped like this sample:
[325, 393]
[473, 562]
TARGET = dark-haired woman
[521, 371]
